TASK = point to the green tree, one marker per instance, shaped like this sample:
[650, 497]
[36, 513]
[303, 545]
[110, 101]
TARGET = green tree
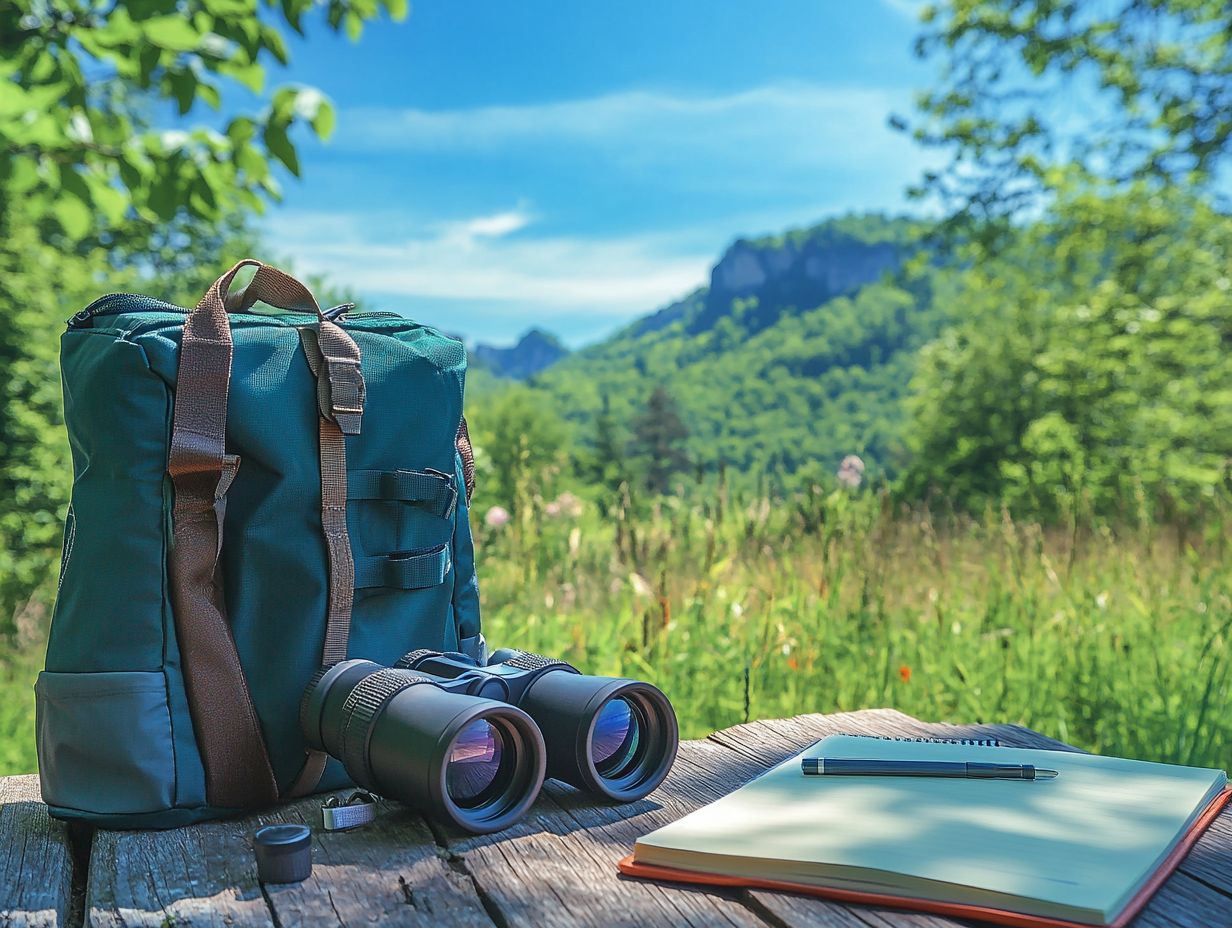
[79, 80]
[659, 435]
[1033, 92]
[524, 444]
[34, 465]
[1090, 364]
[603, 463]
[94, 195]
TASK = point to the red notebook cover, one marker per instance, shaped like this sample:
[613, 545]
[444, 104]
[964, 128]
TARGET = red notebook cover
[630, 867]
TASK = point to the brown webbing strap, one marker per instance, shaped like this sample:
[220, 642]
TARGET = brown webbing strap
[272, 286]
[334, 360]
[237, 768]
[238, 773]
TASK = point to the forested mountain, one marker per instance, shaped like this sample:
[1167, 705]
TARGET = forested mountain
[533, 352]
[797, 353]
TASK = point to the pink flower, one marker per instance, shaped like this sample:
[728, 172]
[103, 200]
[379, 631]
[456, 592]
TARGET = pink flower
[566, 505]
[851, 471]
[496, 517]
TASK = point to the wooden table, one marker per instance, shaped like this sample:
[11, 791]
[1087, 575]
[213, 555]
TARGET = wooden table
[557, 867]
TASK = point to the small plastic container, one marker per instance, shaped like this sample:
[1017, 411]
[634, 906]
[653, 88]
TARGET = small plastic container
[284, 853]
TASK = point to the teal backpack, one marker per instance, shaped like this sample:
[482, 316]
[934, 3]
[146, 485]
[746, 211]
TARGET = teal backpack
[256, 495]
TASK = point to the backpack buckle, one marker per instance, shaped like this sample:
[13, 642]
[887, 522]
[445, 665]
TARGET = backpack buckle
[347, 392]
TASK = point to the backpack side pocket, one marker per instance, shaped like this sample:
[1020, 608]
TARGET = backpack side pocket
[104, 742]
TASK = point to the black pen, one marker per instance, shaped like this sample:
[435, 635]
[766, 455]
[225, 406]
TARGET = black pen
[825, 766]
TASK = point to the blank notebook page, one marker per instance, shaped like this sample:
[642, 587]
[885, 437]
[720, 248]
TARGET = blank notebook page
[1078, 846]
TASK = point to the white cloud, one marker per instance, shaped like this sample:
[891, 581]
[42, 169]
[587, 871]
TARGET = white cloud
[908, 9]
[465, 234]
[493, 226]
[475, 259]
[696, 170]
[771, 126]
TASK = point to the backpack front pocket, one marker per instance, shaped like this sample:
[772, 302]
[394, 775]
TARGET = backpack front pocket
[104, 741]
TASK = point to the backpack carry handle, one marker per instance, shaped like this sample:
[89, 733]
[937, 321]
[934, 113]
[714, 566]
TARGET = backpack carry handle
[268, 285]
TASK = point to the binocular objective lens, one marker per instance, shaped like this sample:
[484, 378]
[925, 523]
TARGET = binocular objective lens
[616, 737]
[475, 763]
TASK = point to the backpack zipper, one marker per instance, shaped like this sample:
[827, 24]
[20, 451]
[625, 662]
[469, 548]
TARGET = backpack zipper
[113, 304]
[110, 305]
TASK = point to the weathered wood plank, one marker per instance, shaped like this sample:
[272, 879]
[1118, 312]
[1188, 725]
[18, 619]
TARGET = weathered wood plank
[35, 860]
[796, 910]
[202, 875]
[558, 867]
[1211, 858]
[390, 871]
[1183, 902]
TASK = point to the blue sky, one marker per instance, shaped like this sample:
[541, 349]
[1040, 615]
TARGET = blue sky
[500, 165]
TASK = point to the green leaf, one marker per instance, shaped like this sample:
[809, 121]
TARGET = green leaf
[272, 39]
[231, 7]
[71, 182]
[23, 175]
[164, 194]
[397, 9]
[73, 216]
[250, 161]
[324, 120]
[209, 95]
[251, 76]
[279, 145]
[173, 33]
[284, 103]
[117, 30]
[241, 130]
[184, 89]
[111, 202]
[309, 104]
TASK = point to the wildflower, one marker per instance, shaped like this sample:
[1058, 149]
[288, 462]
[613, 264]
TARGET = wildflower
[566, 505]
[737, 610]
[851, 472]
[496, 517]
[640, 585]
[793, 664]
[904, 673]
[569, 505]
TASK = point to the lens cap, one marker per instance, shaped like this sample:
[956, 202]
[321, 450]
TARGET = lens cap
[284, 853]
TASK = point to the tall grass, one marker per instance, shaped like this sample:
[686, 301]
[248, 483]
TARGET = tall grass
[1116, 639]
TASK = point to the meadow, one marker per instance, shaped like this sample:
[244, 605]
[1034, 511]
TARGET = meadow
[1115, 638]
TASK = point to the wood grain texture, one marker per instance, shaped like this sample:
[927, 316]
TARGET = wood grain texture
[388, 872]
[555, 868]
[35, 862]
[558, 866]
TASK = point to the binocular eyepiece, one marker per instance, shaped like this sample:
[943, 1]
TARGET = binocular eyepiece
[471, 743]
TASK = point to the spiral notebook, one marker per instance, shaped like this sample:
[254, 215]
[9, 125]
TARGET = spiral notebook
[1087, 848]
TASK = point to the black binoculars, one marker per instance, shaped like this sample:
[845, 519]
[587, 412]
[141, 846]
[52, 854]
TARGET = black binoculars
[471, 743]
